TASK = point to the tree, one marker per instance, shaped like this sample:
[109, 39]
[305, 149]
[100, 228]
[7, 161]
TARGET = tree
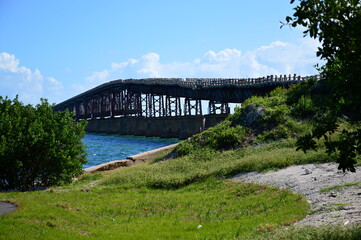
[38, 147]
[336, 24]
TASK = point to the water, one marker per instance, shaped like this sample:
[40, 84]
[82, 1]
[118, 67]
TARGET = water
[103, 148]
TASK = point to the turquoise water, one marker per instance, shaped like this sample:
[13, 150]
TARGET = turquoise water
[103, 148]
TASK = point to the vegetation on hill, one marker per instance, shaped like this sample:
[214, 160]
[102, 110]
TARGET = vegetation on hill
[285, 114]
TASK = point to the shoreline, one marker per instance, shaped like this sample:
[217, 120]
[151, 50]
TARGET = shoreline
[129, 161]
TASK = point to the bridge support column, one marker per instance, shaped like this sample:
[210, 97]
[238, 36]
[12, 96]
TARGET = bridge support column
[195, 105]
[215, 107]
[155, 105]
[132, 104]
[173, 106]
[88, 110]
[77, 111]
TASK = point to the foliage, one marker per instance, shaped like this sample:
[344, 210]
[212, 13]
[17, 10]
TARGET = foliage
[272, 117]
[38, 147]
[336, 24]
[221, 137]
[304, 107]
[271, 110]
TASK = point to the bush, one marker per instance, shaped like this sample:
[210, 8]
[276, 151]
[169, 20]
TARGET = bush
[278, 115]
[263, 113]
[304, 107]
[38, 147]
[221, 137]
[305, 88]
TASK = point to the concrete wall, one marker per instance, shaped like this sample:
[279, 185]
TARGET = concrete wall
[168, 127]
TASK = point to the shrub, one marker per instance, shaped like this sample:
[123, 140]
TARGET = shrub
[304, 107]
[296, 91]
[263, 113]
[38, 147]
[221, 137]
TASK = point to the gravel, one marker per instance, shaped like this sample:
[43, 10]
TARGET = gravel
[336, 206]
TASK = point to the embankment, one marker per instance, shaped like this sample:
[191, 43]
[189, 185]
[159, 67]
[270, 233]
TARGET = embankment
[129, 161]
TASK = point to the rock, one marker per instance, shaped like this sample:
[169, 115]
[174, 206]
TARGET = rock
[109, 166]
[332, 194]
[147, 156]
[250, 115]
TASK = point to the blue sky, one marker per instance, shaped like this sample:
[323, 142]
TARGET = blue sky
[57, 49]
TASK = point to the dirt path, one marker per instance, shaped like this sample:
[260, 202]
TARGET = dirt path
[337, 206]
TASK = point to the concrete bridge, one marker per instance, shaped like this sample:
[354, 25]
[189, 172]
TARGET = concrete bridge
[166, 107]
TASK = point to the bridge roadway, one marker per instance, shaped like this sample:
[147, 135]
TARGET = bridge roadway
[166, 107]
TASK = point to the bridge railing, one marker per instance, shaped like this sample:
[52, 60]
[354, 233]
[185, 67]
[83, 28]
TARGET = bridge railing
[215, 82]
[212, 82]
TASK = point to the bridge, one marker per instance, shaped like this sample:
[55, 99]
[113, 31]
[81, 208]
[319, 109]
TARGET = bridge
[166, 107]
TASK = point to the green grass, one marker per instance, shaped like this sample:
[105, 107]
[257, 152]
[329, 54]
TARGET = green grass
[333, 232]
[204, 164]
[340, 186]
[224, 209]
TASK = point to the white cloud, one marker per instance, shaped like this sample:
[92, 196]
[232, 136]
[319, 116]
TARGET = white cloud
[99, 76]
[289, 58]
[276, 58]
[147, 66]
[54, 84]
[20, 80]
[8, 62]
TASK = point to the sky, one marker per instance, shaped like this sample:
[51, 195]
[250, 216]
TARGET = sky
[58, 49]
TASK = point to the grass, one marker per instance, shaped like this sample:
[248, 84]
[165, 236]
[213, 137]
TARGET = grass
[223, 208]
[340, 186]
[204, 164]
[334, 232]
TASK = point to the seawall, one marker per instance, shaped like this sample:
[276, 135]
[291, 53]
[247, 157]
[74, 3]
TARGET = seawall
[180, 127]
[129, 161]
